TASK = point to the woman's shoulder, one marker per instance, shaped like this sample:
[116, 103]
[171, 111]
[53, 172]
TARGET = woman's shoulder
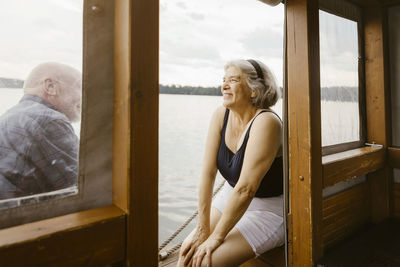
[217, 119]
[267, 120]
[220, 111]
[269, 114]
[219, 114]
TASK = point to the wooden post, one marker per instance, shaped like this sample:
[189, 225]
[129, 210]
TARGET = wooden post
[305, 162]
[377, 106]
[135, 154]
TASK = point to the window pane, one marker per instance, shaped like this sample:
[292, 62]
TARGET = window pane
[340, 120]
[196, 40]
[40, 99]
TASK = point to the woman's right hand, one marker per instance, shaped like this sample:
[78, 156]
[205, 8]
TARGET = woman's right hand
[191, 243]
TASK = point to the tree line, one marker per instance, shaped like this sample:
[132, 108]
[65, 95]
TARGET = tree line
[334, 93]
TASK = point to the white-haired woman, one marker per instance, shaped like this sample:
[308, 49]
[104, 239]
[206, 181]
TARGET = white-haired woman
[244, 143]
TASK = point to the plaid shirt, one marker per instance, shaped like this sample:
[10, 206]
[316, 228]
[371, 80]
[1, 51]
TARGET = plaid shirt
[38, 149]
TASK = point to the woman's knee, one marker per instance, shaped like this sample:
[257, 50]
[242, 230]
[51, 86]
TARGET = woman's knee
[233, 251]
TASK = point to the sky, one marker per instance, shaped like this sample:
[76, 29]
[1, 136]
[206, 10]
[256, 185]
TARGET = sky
[39, 31]
[197, 38]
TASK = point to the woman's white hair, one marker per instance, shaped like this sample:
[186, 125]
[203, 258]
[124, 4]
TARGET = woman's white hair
[266, 90]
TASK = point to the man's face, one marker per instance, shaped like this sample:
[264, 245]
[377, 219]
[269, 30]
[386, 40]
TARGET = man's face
[70, 97]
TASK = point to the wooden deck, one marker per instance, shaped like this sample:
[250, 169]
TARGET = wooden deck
[378, 245]
[272, 258]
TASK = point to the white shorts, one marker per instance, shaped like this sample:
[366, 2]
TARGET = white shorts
[262, 223]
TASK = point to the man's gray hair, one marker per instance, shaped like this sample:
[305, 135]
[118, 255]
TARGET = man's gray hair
[266, 90]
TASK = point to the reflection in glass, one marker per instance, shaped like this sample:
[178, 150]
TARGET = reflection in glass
[40, 100]
[340, 121]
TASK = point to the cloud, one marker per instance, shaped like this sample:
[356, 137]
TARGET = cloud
[70, 5]
[338, 51]
[188, 51]
[196, 37]
[181, 5]
[36, 33]
[163, 7]
[196, 16]
[263, 42]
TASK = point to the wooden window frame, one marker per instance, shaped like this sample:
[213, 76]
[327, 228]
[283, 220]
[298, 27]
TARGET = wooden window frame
[340, 11]
[127, 230]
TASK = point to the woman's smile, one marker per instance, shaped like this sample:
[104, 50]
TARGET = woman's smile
[227, 95]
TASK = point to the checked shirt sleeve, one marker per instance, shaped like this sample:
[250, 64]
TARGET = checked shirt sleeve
[55, 155]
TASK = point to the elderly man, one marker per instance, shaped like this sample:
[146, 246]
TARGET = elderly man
[38, 146]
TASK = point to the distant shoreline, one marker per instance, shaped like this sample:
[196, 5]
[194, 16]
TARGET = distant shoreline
[334, 93]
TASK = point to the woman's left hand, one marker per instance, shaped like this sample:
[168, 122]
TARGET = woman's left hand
[204, 251]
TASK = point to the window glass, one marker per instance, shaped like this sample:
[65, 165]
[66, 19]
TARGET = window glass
[40, 99]
[196, 39]
[340, 119]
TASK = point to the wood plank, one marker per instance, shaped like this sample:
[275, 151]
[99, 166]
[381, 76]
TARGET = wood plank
[122, 106]
[377, 106]
[171, 261]
[344, 213]
[304, 110]
[343, 166]
[88, 238]
[142, 239]
[274, 257]
[394, 157]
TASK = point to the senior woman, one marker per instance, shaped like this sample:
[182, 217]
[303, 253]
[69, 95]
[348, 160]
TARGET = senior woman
[244, 143]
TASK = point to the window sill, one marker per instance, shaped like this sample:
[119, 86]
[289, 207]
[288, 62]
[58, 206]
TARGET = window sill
[89, 237]
[343, 166]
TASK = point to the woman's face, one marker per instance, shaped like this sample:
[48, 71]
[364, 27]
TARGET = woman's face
[235, 91]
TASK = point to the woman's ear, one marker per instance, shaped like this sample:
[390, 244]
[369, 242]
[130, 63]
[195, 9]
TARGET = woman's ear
[253, 94]
[50, 87]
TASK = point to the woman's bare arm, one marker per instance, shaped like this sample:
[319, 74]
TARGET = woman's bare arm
[209, 168]
[207, 179]
[263, 144]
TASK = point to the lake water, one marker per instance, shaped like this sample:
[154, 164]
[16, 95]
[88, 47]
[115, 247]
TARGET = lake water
[183, 128]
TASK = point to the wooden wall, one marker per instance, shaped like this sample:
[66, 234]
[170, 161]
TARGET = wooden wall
[344, 213]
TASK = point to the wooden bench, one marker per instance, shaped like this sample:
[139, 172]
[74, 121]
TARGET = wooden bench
[272, 258]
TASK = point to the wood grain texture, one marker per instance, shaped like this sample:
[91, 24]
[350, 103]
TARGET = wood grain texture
[344, 213]
[394, 157]
[343, 166]
[375, 76]
[272, 258]
[142, 239]
[275, 257]
[304, 131]
[89, 238]
[377, 105]
[122, 107]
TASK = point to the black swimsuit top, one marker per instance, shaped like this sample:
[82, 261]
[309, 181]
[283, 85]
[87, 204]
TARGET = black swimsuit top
[230, 164]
